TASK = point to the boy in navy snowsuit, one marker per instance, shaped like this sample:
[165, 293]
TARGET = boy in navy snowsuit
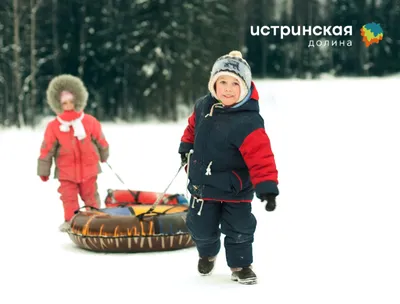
[229, 158]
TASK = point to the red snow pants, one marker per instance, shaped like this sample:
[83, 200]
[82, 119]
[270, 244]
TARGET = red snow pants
[69, 195]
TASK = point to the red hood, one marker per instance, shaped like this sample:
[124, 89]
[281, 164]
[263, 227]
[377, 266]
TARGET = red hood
[254, 94]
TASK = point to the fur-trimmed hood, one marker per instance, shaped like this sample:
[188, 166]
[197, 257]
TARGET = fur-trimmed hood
[68, 83]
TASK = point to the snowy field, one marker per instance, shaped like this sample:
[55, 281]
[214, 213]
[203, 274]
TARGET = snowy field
[334, 237]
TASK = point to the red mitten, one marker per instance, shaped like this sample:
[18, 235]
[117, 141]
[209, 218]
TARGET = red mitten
[44, 178]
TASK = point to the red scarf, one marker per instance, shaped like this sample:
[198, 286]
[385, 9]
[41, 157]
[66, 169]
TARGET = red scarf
[70, 115]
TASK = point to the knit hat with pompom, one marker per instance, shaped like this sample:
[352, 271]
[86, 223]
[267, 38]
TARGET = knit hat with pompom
[233, 65]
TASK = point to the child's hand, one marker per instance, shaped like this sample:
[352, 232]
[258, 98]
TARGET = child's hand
[44, 178]
[184, 158]
[271, 204]
[271, 201]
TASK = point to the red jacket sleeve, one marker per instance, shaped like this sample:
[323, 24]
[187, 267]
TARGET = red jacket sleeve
[100, 140]
[259, 158]
[187, 139]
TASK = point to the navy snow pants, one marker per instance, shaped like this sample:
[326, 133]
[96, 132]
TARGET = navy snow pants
[234, 220]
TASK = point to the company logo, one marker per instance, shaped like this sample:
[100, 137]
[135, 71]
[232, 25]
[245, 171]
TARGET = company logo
[324, 33]
[371, 33]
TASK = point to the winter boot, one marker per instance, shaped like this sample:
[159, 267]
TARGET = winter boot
[244, 275]
[206, 265]
[64, 227]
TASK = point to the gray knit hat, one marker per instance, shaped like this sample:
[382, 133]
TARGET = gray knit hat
[233, 65]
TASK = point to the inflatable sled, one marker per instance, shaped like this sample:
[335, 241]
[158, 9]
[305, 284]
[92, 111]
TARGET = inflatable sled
[119, 198]
[126, 229]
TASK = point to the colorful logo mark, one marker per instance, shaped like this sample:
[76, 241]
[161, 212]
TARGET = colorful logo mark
[371, 33]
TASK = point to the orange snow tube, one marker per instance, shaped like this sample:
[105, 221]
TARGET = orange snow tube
[118, 198]
[125, 226]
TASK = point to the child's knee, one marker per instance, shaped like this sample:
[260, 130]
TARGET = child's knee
[202, 232]
[239, 238]
[199, 235]
[68, 194]
[88, 190]
[241, 231]
[89, 195]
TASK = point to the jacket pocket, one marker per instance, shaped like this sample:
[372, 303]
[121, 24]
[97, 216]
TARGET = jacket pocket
[236, 182]
[240, 180]
[218, 180]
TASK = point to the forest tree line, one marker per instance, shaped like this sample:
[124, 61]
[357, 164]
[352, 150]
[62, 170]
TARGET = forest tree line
[142, 59]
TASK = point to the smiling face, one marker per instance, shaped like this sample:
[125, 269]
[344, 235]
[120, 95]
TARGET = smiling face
[227, 90]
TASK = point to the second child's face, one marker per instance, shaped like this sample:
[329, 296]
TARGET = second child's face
[227, 90]
[67, 104]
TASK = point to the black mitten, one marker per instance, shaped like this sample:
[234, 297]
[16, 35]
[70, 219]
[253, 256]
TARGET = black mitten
[271, 201]
[184, 158]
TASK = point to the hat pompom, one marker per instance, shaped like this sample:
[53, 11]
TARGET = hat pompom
[235, 54]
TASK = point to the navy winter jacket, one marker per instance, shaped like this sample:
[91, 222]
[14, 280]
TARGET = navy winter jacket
[232, 155]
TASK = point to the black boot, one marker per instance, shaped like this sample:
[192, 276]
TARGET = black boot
[206, 265]
[244, 275]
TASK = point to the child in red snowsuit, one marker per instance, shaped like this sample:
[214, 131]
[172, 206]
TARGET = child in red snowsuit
[76, 142]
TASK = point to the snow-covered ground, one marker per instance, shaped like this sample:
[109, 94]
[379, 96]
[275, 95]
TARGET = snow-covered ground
[334, 237]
